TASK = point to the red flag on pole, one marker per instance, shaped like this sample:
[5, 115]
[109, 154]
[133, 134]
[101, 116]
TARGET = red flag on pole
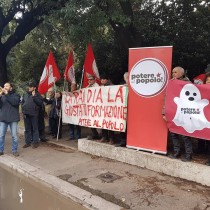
[69, 73]
[50, 75]
[90, 67]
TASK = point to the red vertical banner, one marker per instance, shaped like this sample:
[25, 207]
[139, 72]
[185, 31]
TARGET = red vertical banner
[149, 72]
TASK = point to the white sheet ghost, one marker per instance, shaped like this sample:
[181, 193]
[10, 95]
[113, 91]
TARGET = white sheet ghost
[189, 113]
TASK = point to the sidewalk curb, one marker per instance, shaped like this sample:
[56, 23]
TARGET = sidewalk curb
[61, 145]
[21, 132]
[64, 188]
[186, 170]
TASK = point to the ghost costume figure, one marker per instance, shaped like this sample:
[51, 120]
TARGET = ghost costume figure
[189, 113]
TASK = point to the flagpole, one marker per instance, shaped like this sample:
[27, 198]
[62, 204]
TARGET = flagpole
[82, 78]
[54, 86]
[59, 122]
[56, 103]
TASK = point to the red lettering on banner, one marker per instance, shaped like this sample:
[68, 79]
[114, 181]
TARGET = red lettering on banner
[119, 94]
[96, 124]
[68, 99]
[112, 125]
[89, 107]
[125, 110]
[99, 97]
[84, 122]
[101, 107]
[122, 127]
[109, 99]
[84, 108]
[81, 97]
[118, 112]
[66, 111]
[94, 97]
[98, 111]
[89, 95]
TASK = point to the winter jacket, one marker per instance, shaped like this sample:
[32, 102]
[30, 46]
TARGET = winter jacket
[9, 107]
[55, 107]
[31, 104]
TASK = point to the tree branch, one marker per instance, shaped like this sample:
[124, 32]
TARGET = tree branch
[4, 20]
[20, 33]
[29, 21]
[127, 8]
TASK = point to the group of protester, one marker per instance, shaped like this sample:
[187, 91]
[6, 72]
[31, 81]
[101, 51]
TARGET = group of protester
[33, 109]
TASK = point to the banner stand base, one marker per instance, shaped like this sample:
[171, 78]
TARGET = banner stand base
[146, 150]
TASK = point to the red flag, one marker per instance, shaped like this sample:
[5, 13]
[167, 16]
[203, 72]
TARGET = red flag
[69, 73]
[187, 109]
[199, 79]
[90, 67]
[49, 76]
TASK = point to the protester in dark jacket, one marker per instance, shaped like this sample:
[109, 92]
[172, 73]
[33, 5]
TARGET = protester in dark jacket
[178, 73]
[9, 116]
[31, 103]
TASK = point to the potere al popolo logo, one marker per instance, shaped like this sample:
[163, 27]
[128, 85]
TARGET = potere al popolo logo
[148, 77]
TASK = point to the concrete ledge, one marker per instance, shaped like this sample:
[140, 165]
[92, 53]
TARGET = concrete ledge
[72, 192]
[185, 170]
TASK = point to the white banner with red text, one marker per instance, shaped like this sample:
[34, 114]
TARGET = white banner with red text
[102, 107]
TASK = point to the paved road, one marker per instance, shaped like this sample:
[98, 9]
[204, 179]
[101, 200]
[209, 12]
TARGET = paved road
[129, 186]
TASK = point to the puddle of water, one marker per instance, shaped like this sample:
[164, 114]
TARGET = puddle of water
[21, 193]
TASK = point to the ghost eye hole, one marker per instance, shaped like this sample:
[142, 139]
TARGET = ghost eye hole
[195, 94]
[187, 93]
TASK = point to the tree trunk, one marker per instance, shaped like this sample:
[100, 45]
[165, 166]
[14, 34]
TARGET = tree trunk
[3, 69]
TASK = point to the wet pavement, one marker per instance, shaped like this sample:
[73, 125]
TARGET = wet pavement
[20, 193]
[128, 186]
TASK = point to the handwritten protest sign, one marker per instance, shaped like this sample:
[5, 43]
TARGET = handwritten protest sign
[96, 107]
